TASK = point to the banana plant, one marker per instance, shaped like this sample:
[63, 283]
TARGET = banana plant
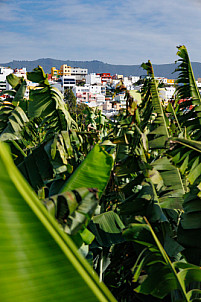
[74, 211]
[186, 155]
[38, 261]
[159, 275]
[187, 90]
[47, 102]
[12, 117]
[158, 131]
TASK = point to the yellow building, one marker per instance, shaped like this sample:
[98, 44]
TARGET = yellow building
[54, 72]
[64, 70]
[120, 77]
[170, 81]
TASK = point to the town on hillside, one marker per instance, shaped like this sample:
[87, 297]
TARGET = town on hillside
[94, 89]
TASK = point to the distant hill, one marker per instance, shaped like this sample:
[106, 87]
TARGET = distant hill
[163, 70]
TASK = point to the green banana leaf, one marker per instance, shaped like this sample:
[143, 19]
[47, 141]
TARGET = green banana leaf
[74, 209]
[38, 261]
[173, 191]
[186, 77]
[162, 277]
[16, 120]
[158, 134]
[19, 85]
[93, 172]
[190, 110]
[186, 155]
[107, 228]
[14, 81]
[47, 102]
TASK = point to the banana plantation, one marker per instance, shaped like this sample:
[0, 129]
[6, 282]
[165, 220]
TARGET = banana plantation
[100, 210]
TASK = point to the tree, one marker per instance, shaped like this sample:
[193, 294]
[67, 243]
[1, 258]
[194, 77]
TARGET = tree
[70, 100]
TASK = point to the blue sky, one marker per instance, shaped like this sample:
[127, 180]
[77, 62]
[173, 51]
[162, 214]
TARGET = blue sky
[116, 32]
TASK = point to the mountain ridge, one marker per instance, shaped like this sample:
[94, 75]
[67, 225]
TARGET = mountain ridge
[163, 70]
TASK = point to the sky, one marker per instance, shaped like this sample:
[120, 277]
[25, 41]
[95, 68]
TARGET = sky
[125, 32]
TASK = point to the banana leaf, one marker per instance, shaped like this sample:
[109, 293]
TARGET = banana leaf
[47, 102]
[162, 276]
[93, 172]
[19, 85]
[186, 155]
[187, 90]
[107, 228]
[171, 196]
[16, 121]
[73, 210]
[158, 134]
[38, 261]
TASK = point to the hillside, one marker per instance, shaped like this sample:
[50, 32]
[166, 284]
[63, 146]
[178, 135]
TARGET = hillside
[164, 70]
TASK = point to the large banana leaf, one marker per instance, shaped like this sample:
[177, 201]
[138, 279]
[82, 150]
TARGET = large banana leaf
[190, 110]
[186, 79]
[158, 131]
[51, 159]
[13, 120]
[93, 172]
[19, 85]
[38, 261]
[144, 202]
[47, 102]
[163, 277]
[186, 154]
[171, 196]
[36, 168]
[107, 228]
[73, 210]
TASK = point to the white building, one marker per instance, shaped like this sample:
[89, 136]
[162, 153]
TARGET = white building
[115, 83]
[21, 73]
[97, 89]
[93, 78]
[100, 99]
[4, 72]
[119, 97]
[166, 93]
[128, 83]
[80, 89]
[134, 79]
[198, 84]
[79, 73]
[67, 82]
[56, 85]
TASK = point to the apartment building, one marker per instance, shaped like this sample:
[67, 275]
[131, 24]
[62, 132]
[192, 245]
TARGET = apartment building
[80, 89]
[105, 77]
[85, 97]
[93, 79]
[134, 79]
[95, 89]
[79, 73]
[166, 93]
[65, 70]
[21, 73]
[4, 72]
[88, 97]
[67, 82]
[165, 80]
[117, 77]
